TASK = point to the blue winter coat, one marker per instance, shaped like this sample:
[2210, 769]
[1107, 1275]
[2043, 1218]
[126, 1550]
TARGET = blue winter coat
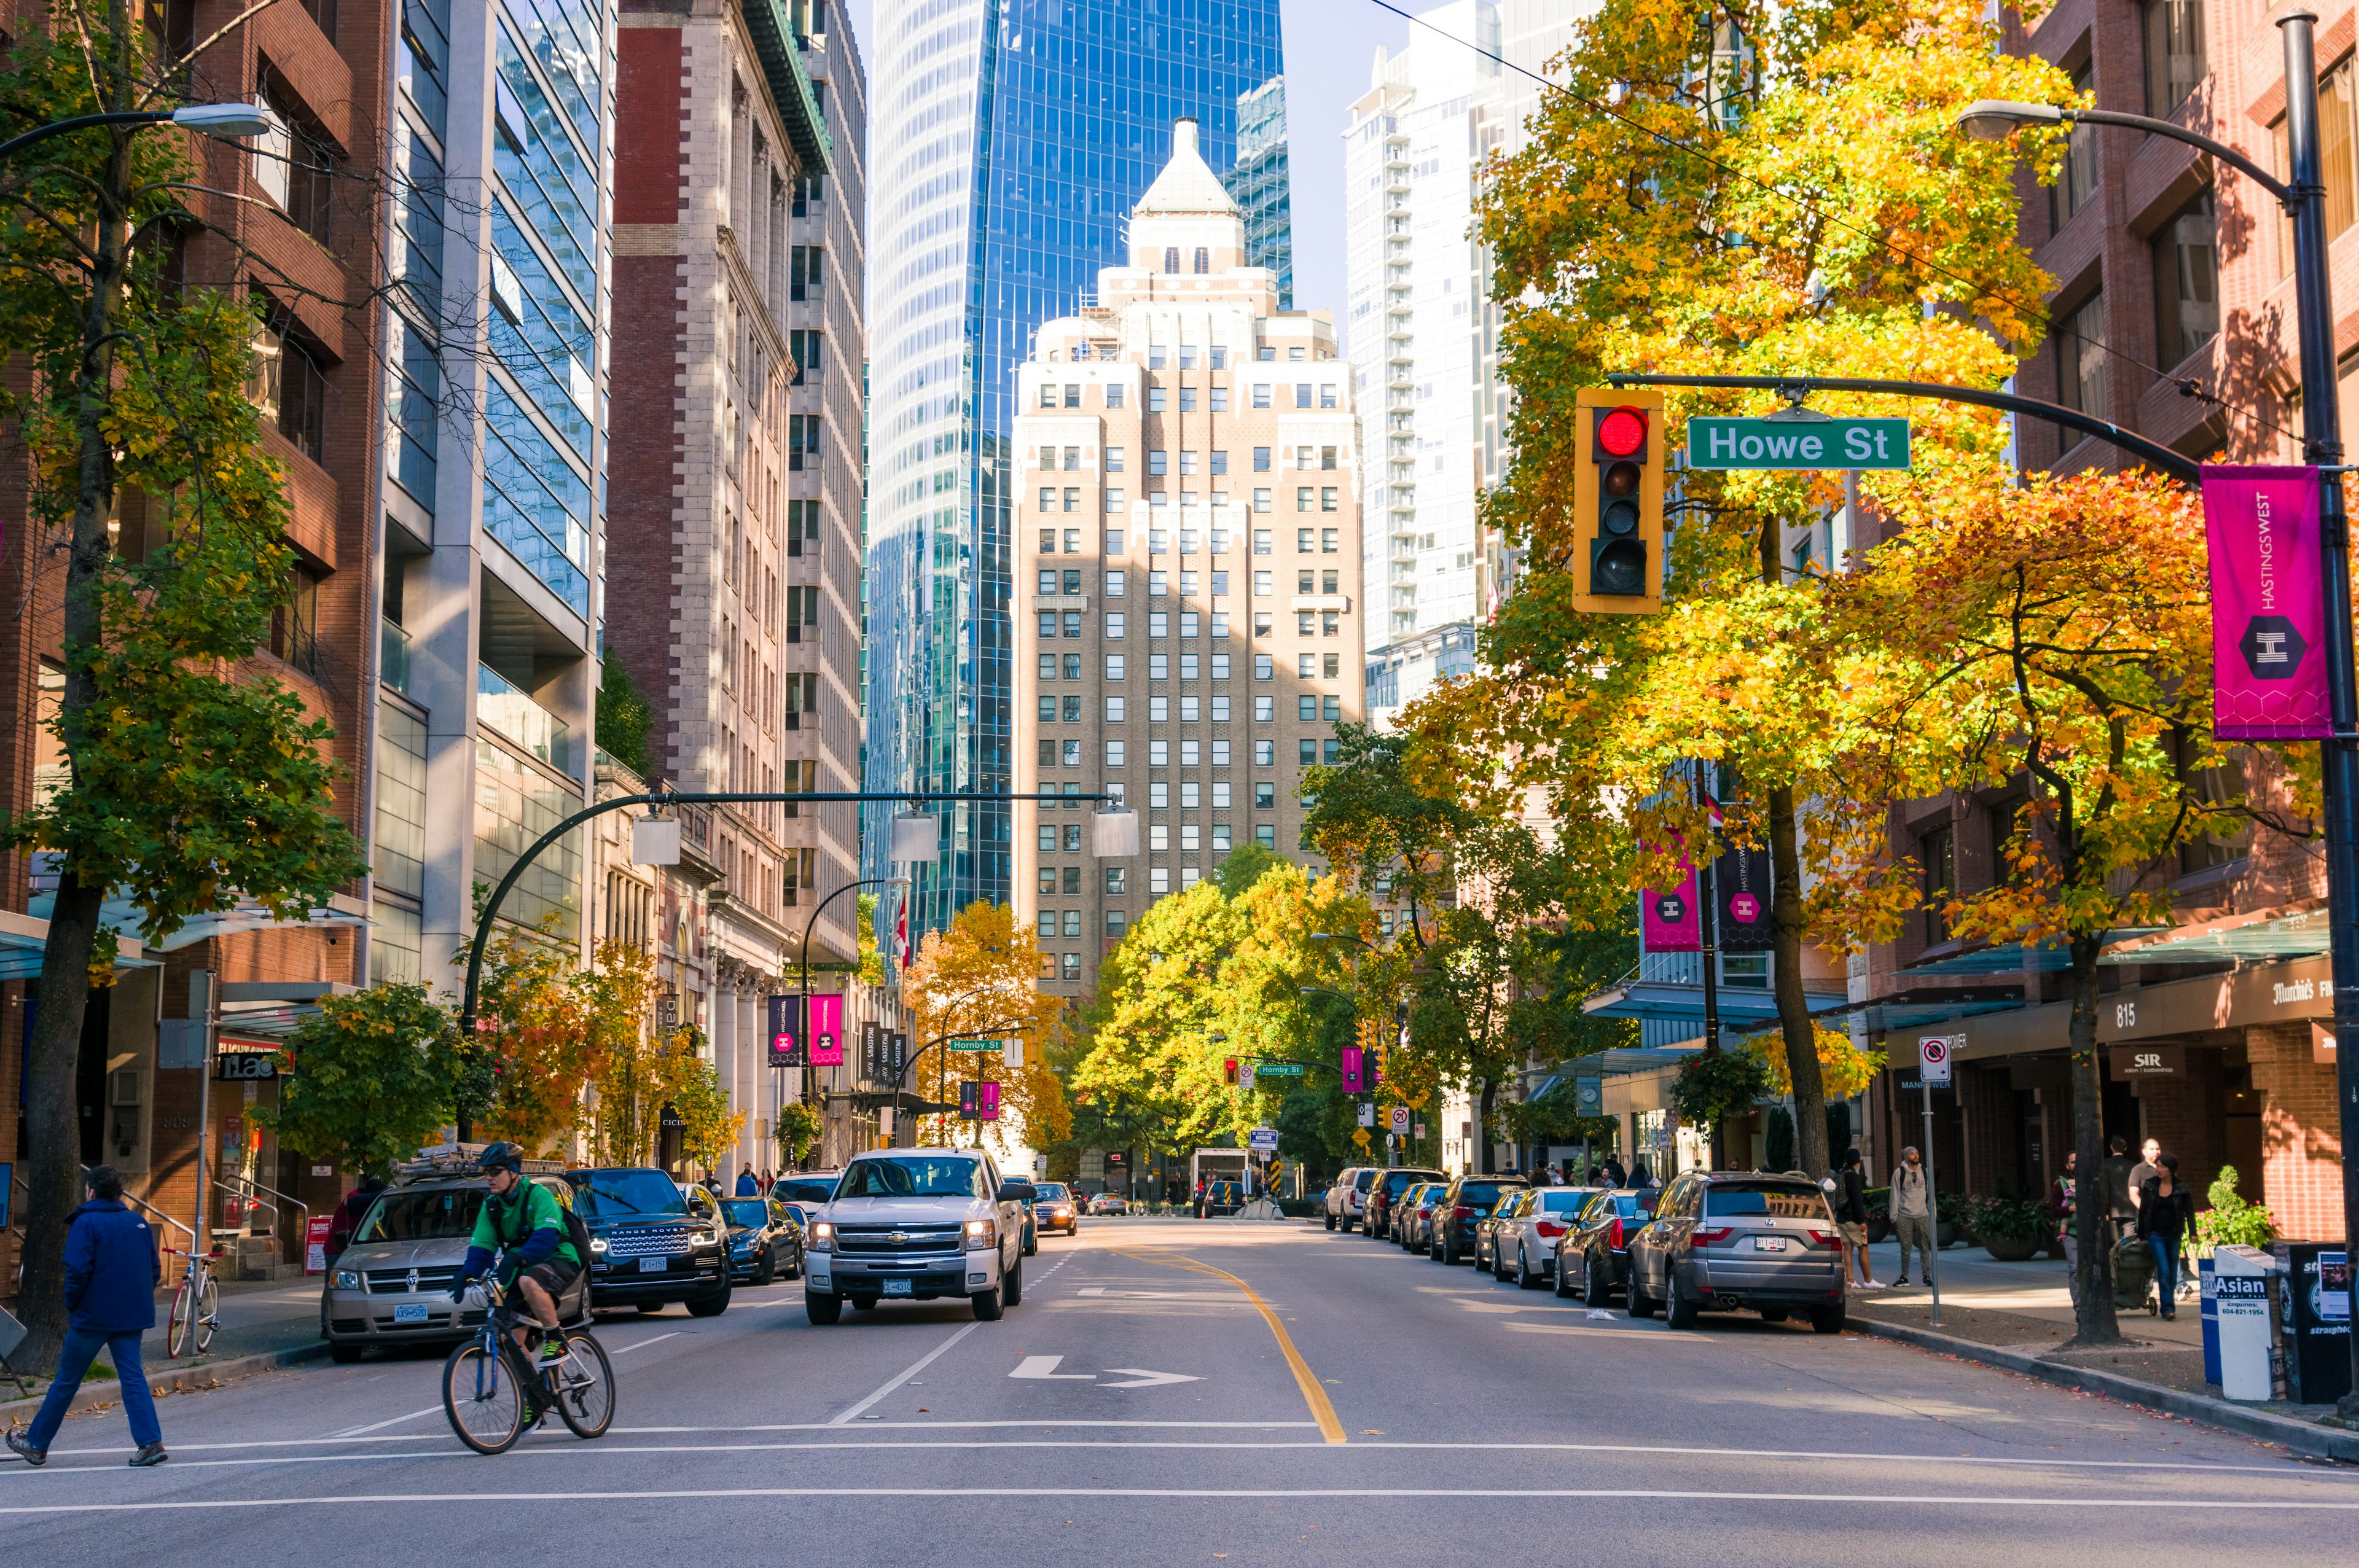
[111, 1270]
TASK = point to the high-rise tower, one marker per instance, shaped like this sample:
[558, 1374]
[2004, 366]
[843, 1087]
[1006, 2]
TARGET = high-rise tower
[1009, 139]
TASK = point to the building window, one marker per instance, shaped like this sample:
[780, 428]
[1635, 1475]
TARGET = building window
[805, 269]
[1170, 258]
[2174, 53]
[1071, 963]
[1203, 259]
[1114, 396]
[2076, 178]
[2186, 279]
[1261, 395]
[1114, 753]
[1266, 835]
[288, 387]
[1265, 753]
[2081, 375]
[1938, 852]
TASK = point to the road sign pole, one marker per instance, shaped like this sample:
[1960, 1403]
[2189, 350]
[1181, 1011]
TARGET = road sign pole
[1932, 1204]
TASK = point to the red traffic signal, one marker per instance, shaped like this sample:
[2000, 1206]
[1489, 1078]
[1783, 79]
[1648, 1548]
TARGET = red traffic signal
[1621, 433]
[1229, 1069]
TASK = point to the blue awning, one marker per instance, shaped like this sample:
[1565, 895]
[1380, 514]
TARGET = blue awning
[1671, 1001]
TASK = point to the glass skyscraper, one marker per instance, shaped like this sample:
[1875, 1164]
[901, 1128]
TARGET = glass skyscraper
[1008, 139]
[1260, 184]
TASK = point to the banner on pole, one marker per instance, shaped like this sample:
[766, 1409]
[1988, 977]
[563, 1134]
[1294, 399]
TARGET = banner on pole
[2269, 603]
[827, 1030]
[1740, 884]
[786, 1033]
[1671, 919]
[1351, 1065]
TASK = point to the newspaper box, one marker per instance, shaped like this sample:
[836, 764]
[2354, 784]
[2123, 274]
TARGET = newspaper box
[2240, 1282]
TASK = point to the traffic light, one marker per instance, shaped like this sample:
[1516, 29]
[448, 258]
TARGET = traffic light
[1229, 1070]
[1617, 497]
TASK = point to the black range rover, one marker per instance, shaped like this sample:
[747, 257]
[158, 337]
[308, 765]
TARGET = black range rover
[652, 1243]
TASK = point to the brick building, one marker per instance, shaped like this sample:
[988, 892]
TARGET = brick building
[1187, 503]
[734, 499]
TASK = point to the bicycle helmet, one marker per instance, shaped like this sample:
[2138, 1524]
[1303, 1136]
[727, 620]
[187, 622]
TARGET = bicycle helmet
[501, 1156]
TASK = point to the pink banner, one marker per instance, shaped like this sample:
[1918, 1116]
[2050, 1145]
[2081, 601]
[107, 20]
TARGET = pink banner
[827, 1030]
[987, 1101]
[1669, 918]
[2268, 604]
[1351, 1069]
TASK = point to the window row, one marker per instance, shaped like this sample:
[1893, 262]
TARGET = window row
[1213, 542]
[1309, 666]
[1214, 460]
[1055, 753]
[1159, 625]
[1266, 394]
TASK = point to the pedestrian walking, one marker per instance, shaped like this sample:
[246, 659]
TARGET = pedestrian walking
[349, 1213]
[2063, 1204]
[1639, 1175]
[112, 1273]
[1615, 1176]
[1912, 1214]
[1851, 1216]
[748, 1184]
[2117, 1175]
[2149, 1161]
[2166, 1213]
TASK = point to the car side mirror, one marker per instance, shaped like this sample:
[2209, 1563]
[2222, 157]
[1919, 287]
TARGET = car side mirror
[1827, 1185]
[1018, 1192]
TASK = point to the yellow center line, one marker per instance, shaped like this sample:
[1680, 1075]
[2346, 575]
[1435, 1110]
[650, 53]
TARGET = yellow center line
[1322, 1410]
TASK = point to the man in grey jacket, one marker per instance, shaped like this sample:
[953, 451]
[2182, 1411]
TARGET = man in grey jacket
[1912, 1214]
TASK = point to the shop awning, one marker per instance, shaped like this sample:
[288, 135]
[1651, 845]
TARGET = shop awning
[1644, 1059]
[22, 938]
[126, 916]
[1673, 1001]
[2287, 932]
[1909, 1009]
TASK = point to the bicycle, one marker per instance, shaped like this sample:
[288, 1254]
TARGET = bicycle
[494, 1395]
[196, 1306]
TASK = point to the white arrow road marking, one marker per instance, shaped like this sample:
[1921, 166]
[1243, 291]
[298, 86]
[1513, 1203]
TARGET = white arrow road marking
[1147, 1379]
[1046, 1367]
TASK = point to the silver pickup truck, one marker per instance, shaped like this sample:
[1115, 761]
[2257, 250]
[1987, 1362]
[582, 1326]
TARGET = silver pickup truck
[917, 1224]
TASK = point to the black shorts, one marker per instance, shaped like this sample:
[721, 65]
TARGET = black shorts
[554, 1275]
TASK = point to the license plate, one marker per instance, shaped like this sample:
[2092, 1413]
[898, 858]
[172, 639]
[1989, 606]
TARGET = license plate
[1769, 1244]
[897, 1287]
[410, 1312]
[654, 1265]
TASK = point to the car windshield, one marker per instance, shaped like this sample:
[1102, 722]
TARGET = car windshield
[1363, 1181]
[1484, 1192]
[748, 1211]
[626, 1195]
[913, 1176]
[803, 1189]
[1770, 1200]
[1051, 1192]
[438, 1213]
[1566, 1202]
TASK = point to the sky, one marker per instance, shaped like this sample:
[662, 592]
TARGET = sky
[1329, 46]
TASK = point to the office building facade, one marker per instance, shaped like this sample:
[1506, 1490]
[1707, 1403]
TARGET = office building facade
[1263, 185]
[1013, 138]
[1187, 468]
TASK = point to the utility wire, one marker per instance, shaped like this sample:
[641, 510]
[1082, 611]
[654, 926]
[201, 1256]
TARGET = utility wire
[2188, 386]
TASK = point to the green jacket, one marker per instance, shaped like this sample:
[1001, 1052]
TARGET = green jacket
[518, 1224]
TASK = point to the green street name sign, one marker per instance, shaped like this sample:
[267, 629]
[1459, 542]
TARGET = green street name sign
[1717, 443]
[970, 1045]
[1278, 1069]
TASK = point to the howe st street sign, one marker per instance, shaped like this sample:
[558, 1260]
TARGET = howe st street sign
[1774, 443]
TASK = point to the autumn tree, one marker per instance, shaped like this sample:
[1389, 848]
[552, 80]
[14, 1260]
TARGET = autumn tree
[980, 980]
[191, 779]
[369, 1079]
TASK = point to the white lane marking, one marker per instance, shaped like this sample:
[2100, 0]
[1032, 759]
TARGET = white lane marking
[1147, 1379]
[642, 1345]
[1655, 1334]
[350, 1432]
[1046, 1367]
[848, 1417]
[1640, 1494]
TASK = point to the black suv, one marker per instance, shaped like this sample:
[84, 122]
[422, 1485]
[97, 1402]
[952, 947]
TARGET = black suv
[1384, 1194]
[652, 1242]
[1468, 1201]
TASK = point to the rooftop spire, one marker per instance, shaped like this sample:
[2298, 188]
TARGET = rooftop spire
[1186, 185]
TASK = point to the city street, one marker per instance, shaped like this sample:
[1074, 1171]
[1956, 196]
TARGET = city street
[1183, 1391]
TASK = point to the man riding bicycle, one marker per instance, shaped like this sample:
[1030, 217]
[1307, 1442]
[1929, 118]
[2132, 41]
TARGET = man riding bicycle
[524, 1220]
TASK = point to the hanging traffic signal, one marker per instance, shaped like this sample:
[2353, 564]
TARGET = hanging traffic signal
[1229, 1069]
[1617, 494]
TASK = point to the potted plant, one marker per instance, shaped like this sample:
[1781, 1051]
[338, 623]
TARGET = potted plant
[2011, 1229]
[2230, 1221]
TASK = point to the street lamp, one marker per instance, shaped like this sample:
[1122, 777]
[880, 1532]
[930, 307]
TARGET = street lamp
[2303, 197]
[228, 120]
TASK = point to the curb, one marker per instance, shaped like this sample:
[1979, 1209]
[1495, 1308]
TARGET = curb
[2301, 1436]
[96, 1391]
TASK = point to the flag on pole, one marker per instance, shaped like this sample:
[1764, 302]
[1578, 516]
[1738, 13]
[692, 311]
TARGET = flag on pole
[901, 936]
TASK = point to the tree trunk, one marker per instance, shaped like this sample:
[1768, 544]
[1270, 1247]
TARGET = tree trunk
[1786, 977]
[1487, 1162]
[2093, 1320]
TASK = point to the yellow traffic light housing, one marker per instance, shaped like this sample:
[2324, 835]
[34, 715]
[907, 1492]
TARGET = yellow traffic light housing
[1617, 499]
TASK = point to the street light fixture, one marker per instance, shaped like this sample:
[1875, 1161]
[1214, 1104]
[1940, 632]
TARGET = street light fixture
[2303, 196]
[230, 120]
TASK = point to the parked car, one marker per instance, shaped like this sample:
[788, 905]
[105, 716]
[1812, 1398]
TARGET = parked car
[1415, 1217]
[391, 1285]
[1466, 1201]
[1727, 1241]
[1109, 1203]
[1593, 1258]
[1523, 1243]
[1347, 1196]
[1056, 1209]
[806, 1187]
[1383, 1195]
[652, 1241]
[918, 1224]
[766, 1240]
[1486, 1256]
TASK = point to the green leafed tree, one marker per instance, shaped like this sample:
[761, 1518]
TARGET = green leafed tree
[191, 777]
[370, 1079]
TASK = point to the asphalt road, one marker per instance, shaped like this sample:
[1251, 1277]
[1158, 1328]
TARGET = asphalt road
[1174, 1392]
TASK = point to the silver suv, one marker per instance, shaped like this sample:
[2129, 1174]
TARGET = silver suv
[1731, 1240]
[917, 1224]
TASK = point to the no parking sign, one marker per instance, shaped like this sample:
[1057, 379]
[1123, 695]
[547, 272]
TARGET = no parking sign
[1934, 1054]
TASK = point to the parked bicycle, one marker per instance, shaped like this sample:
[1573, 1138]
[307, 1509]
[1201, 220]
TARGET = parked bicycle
[196, 1306]
[493, 1393]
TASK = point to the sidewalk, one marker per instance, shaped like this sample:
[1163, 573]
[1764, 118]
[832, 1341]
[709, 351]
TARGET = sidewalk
[262, 1318]
[2023, 1312]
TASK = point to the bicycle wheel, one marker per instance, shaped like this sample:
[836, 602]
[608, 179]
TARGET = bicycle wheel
[208, 1316]
[178, 1328]
[585, 1393]
[482, 1399]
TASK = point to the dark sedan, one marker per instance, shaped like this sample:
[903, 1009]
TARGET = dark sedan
[1465, 1203]
[1384, 1195]
[1593, 1259]
[1414, 1213]
[766, 1240]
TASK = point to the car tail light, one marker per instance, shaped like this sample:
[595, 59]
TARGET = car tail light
[1545, 1228]
[1714, 1235]
[1463, 1211]
[1614, 1237]
[1826, 1238]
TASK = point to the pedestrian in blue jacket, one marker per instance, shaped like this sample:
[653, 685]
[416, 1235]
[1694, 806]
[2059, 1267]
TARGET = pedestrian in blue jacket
[112, 1273]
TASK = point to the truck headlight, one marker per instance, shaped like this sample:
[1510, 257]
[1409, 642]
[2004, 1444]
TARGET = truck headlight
[822, 1238]
[597, 1244]
[348, 1279]
[703, 1238]
[982, 1234]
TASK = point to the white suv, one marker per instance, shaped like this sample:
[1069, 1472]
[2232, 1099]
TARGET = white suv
[1347, 1197]
[918, 1224]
